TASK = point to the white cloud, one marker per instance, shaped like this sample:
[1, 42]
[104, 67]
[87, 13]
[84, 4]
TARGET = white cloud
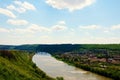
[90, 27]
[11, 7]
[71, 5]
[106, 31]
[17, 22]
[21, 7]
[20, 31]
[7, 13]
[38, 28]
[115, 27]
[33, 28]
[62, 22]
[4, 30]
[59, 27]
[28, 6]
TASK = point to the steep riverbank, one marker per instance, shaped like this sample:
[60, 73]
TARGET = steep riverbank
[18, 65]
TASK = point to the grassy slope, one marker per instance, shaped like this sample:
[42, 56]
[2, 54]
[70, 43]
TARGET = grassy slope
[18, 65]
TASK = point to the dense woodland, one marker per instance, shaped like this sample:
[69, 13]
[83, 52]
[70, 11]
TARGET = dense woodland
[54, 48]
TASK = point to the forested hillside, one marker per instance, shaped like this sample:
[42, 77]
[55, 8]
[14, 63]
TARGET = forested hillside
[53, 48]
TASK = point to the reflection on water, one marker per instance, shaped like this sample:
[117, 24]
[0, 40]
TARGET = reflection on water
[56, 68]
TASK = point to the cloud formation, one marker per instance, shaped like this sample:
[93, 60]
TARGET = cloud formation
[32, 28]
[7, 13]
[4, 30]
[60, 26]
[17, 22]
[115, 27]
[90, 27]
[71, 5]
[21, 7]
[37, 28]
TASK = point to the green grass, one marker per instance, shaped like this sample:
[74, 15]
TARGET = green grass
[18, 65]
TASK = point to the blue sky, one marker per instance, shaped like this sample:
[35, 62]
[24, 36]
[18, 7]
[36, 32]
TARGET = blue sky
[59, 21]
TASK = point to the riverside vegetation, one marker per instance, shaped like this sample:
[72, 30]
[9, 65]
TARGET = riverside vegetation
[18, 65]
[101, 63]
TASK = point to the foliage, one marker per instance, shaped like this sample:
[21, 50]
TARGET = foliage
[59, 78]
[60, 48]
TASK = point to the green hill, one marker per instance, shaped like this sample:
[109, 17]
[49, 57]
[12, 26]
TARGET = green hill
[18, 65]
[61, 48]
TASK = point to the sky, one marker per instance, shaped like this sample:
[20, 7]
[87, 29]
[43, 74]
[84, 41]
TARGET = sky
[59, 22]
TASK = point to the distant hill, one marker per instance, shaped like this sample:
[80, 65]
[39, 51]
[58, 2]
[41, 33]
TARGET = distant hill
[19, 47]
[18, 65]
[60, 48]
[6, 47]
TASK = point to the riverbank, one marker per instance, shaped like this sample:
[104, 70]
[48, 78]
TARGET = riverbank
[18, 65]
[54, 68]
[101, 68]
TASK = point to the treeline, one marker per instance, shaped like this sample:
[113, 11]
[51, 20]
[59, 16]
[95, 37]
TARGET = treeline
[59, 48]
[101, 46]
[27, 47]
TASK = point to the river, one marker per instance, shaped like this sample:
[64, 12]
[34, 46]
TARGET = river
[55, 68]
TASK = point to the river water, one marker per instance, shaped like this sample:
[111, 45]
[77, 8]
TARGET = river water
[55, 68]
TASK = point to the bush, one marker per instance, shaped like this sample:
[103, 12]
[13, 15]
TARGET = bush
[7, 54]
[59, 78]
